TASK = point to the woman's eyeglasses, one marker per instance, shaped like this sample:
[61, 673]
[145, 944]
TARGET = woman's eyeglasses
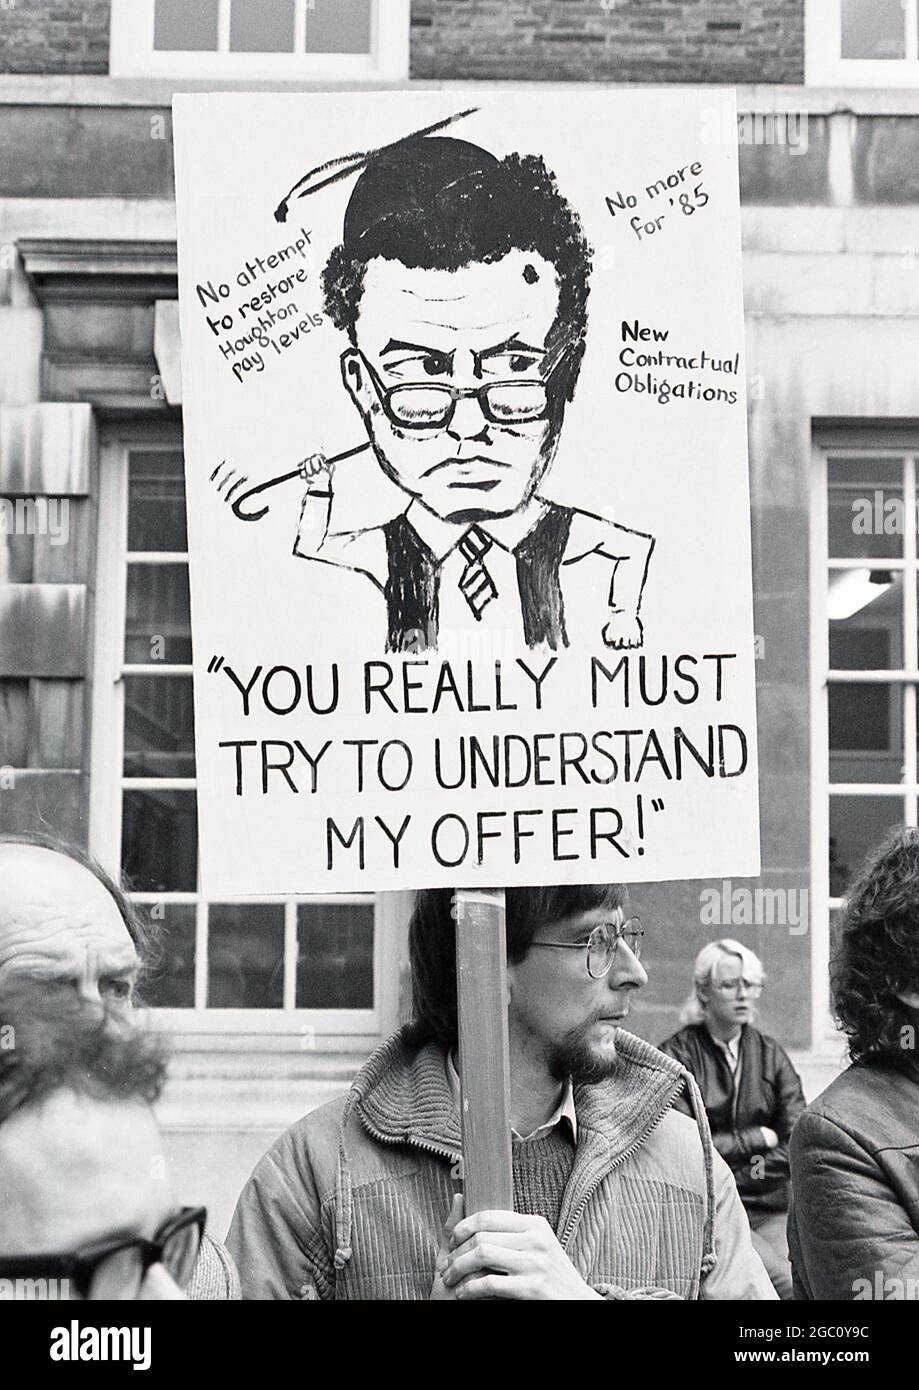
[752, 987]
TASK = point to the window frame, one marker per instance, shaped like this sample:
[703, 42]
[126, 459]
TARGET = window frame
[855, 441]
[301, 1028]
[131, 51]
[824, 65]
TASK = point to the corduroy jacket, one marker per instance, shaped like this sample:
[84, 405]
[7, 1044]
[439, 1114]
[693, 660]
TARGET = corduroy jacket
[350, 1203]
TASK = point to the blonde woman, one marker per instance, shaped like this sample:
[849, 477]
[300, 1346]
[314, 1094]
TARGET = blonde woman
[751, 1091]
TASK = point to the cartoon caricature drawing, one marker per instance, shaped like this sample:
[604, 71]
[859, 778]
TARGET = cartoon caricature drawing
[461, 282]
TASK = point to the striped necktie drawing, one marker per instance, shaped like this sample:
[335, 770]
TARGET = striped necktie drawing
[476, 584]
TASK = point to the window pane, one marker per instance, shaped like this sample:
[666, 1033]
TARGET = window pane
[156, 502]
[157, 625]
[262, 26]
[870, 638]
[159, 726]
[338, 26]
[873, 29]
[186, 24]
[159, 841]
[335, 956]
[865, 506]
[245, 956]
[866, 733]
[170, 983]
[857, 824]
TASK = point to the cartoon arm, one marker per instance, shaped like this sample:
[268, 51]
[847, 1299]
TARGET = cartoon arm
[632, 559]
[317, 507]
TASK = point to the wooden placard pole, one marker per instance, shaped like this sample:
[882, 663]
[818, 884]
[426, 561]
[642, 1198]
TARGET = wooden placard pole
[481, 983]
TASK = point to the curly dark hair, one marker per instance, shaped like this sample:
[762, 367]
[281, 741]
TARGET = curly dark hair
[877, 955]
[440, 203]
[432, 944]
[49, 1044]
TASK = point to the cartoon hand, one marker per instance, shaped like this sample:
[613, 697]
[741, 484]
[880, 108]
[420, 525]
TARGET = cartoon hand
[313, 465]
[623, 630]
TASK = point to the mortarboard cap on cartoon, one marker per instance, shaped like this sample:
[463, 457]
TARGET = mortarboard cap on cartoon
[403, 179]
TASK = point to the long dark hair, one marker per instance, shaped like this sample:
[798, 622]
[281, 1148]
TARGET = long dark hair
[878, 955]
[432, 944]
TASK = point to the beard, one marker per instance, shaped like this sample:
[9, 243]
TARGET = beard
[574, 1057]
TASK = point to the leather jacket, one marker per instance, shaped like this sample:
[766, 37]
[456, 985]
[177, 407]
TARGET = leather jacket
[853, 1228]
[769, 1094]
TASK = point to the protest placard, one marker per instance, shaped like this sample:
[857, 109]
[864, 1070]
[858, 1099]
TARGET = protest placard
[467, 489]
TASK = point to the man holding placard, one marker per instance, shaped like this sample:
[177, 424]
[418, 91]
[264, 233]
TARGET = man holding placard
[616, 1194]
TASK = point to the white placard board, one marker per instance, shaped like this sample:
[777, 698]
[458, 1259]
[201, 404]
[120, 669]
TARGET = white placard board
[469, 530]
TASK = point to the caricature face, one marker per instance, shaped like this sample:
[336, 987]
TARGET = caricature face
[483, 324]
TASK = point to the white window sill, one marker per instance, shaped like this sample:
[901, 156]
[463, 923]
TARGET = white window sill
[26, 90]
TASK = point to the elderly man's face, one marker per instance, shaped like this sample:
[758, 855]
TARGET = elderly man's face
[484, 323]
[60, 927]
[79, 1171]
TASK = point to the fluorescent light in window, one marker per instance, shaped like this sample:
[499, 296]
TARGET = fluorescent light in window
[852, 590]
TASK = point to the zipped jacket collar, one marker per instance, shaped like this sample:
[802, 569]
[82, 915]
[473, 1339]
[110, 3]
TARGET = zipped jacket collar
[402, 1096]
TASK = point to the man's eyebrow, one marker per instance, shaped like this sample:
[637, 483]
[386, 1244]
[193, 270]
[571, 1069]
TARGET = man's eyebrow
[395, 344]
[513, 342]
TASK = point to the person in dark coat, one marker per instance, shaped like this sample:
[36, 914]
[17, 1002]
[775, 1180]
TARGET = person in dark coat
[751, 1091]
[853, 1229]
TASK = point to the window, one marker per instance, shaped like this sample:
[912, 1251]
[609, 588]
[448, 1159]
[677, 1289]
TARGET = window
[865, 669]
[325, 39]
[304, 966]
[862, 43]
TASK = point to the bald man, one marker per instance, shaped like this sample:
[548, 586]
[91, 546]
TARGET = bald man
[65, 924]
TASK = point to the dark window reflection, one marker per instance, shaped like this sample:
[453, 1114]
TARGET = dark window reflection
[855, 647]
[335, 956]
[170, 981]
[159, 726]
[857, 825]
[245, 956]
[159, 831]
[156, 502]
[865, 508]
[157, 618]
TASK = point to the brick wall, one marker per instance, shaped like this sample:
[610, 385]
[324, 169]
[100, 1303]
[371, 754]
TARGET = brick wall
[39, 36]
[730, 41]
[723, 41]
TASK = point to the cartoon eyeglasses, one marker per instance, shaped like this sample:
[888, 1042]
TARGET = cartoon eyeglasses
[427, 406]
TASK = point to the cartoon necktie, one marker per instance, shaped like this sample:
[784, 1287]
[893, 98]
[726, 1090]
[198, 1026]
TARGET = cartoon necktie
[476, 584]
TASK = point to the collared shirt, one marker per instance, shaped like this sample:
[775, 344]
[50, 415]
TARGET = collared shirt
[442, 538]
[563, 1111]
[731, 1050]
